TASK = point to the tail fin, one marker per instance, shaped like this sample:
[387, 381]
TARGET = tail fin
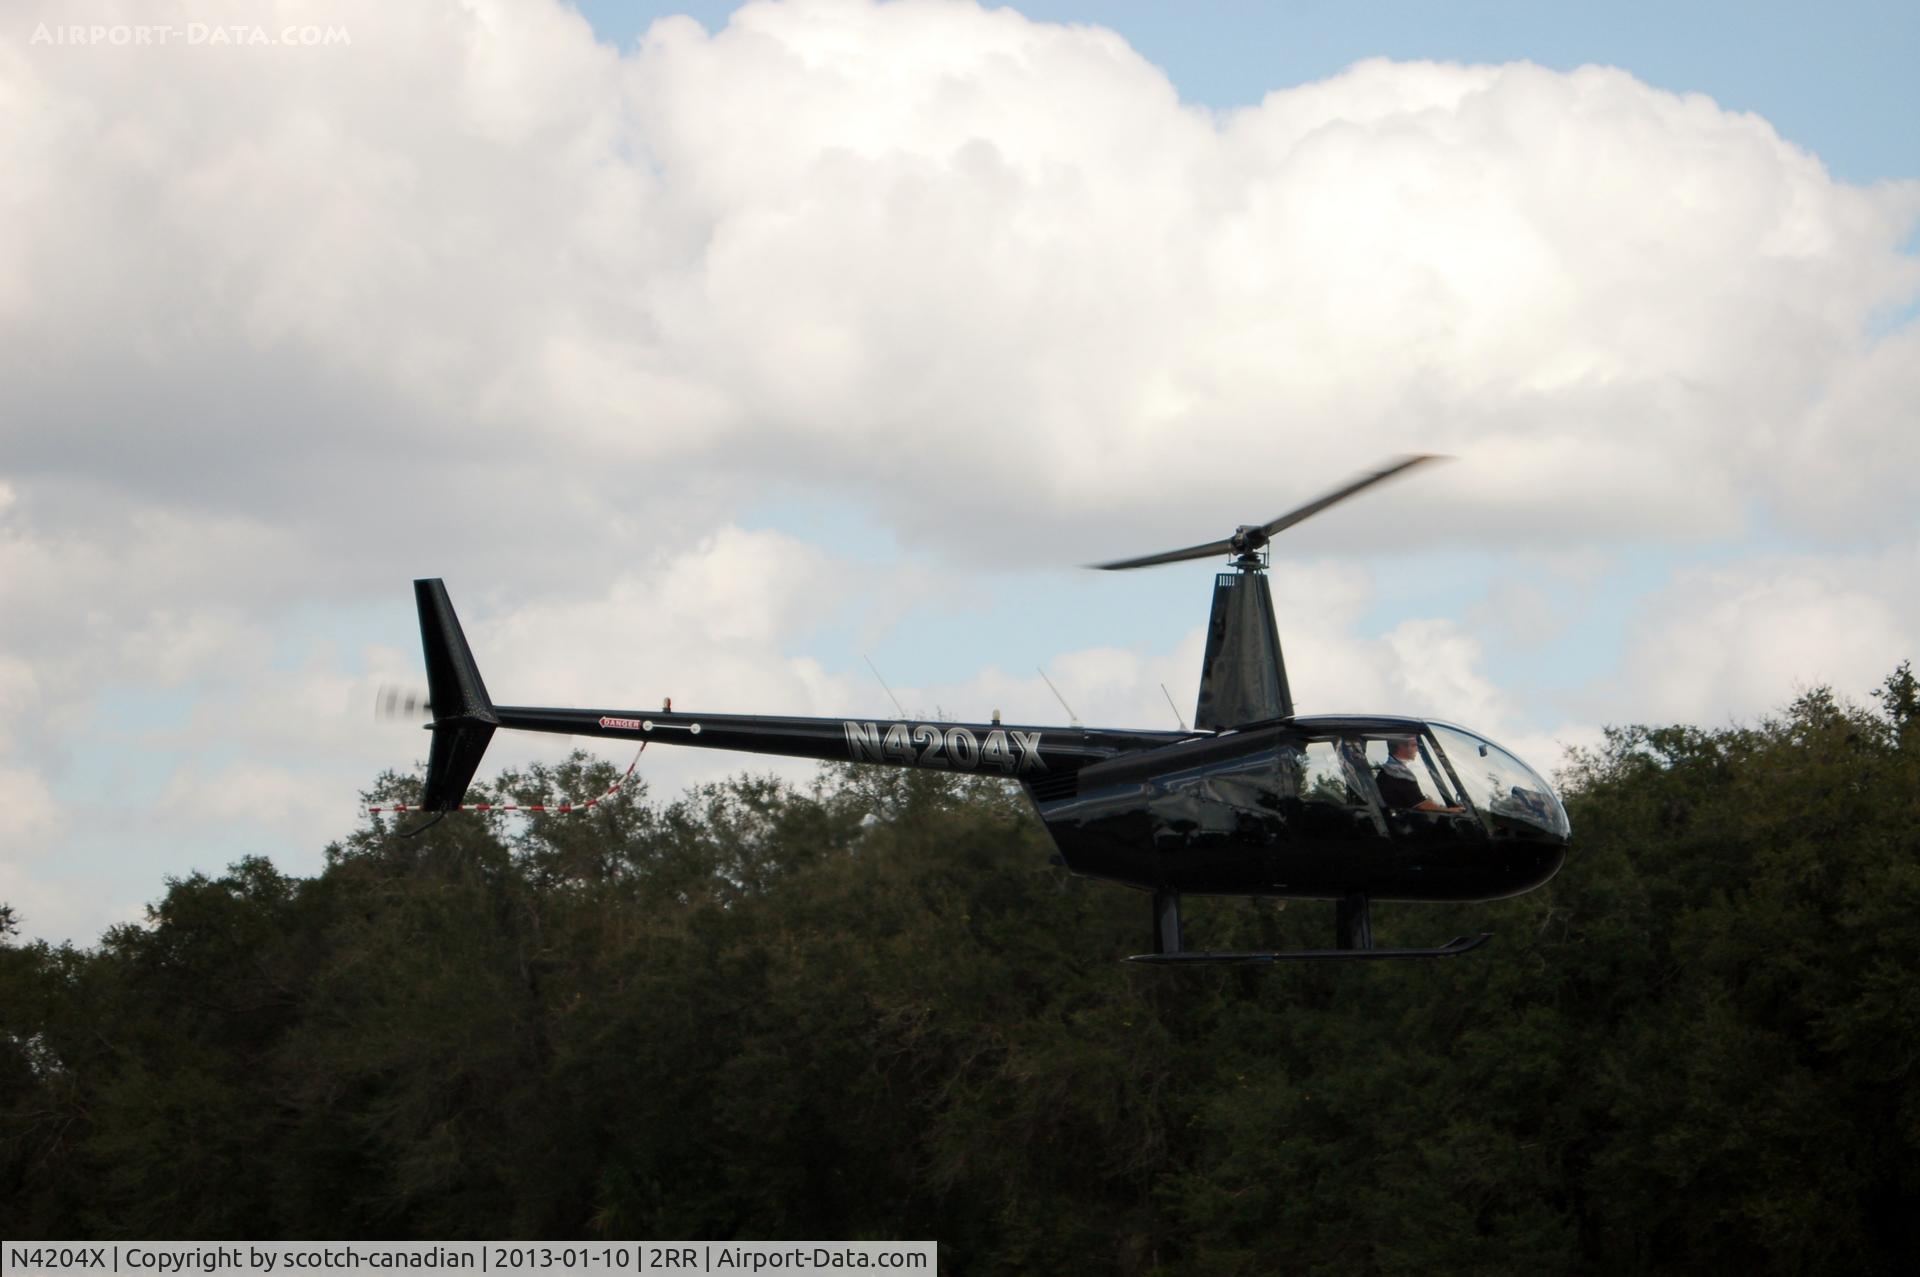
[463, 718]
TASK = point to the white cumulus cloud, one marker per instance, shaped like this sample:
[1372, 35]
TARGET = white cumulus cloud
[471, 294]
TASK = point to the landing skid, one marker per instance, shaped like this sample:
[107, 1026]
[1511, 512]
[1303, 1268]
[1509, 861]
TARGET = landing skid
[1459, 944]
[1353, 936]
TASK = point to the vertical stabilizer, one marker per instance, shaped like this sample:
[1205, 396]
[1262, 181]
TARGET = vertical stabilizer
[463, 718]
[1243, 678]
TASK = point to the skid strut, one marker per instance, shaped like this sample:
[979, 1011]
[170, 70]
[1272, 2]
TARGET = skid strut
[1353, 938]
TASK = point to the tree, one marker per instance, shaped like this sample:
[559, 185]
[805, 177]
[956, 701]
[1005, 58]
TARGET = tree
[873, 1008]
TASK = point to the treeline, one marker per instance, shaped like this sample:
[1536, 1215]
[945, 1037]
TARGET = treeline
[875, 1010]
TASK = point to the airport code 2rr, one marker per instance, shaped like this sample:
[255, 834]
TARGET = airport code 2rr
[926, 745]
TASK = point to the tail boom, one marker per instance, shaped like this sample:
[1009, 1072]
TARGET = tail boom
[465, 718]
[989, 749]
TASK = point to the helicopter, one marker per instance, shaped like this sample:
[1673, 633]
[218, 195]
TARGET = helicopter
[1253, 800]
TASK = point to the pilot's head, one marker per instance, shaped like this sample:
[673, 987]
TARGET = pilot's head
[1403, 747]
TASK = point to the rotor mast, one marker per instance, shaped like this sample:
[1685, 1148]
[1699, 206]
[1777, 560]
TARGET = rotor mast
[1243, 678]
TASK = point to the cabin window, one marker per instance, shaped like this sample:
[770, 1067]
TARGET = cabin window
[1499, 784]
[1326, 784]
[1325, 778]
[1408, 775]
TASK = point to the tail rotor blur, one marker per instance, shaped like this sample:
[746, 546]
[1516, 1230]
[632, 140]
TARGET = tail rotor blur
[393, 703]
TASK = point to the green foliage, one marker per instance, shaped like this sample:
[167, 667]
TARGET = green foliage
[873, 1009]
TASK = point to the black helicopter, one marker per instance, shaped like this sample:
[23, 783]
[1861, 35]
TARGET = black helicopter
[1254, 801]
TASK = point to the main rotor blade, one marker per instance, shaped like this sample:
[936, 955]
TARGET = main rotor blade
[1207, 551]
[1249, 539]
[1312, 508]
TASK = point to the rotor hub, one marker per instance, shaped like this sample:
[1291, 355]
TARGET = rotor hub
[1247, 538]
[1247, 545]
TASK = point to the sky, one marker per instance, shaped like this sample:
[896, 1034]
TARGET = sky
[713, 352]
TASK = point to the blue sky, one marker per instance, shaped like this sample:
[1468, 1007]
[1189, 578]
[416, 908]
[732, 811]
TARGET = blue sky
[1829, 77]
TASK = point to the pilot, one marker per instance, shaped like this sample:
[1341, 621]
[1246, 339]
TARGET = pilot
[1399, 787]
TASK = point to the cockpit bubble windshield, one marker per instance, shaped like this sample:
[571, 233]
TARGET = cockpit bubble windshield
[1499, 784]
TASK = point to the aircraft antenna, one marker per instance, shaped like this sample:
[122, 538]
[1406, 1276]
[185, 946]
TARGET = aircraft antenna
[1175, 708]
[1071, 716]
[883, 685]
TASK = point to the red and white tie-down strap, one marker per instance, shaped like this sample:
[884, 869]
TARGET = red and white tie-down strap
[551, 809]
